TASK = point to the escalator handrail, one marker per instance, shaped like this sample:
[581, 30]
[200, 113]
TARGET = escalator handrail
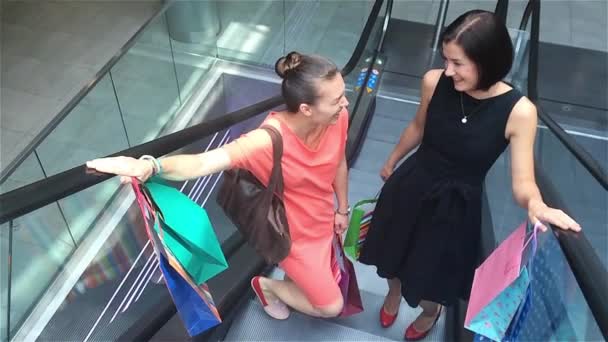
[36, 195]
[580, 153]
[360, 47]
[587, 161]
[67, 109]
[585, 264]
[525, 18]
[387, 19]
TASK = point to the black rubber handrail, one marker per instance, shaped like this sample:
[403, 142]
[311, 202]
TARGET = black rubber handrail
[588, 270]
[67, 109]
[36, 195]
[586, 266]
[46, 191]
[525, 18]
[586, 160]
[580, 153]
[501, 9]
[367, 30]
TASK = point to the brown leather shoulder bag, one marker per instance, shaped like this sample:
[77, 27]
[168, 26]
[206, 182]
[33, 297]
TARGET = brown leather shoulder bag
[257, 211]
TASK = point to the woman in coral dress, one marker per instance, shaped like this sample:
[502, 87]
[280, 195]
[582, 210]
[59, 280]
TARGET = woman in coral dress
[314, 129]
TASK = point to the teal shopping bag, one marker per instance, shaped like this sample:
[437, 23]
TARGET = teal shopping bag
[186, 231]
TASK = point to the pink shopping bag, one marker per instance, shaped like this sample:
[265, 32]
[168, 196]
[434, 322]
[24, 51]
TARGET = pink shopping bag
[500, 286]
[497, 272]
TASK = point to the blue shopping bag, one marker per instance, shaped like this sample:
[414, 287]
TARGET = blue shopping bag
[197, 313]
[514, 331]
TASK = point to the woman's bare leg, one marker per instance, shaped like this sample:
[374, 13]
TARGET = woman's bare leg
[426, 319]
[289, 293]
[393, 297]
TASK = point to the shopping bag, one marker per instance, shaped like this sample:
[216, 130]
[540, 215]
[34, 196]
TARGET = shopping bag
[500, 286]
[193, 302]
[347, 281]
[186, 231]
[198, 313]
[358, 226]
[513, 333]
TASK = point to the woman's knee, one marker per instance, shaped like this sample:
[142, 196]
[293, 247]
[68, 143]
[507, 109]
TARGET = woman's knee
[331, 310]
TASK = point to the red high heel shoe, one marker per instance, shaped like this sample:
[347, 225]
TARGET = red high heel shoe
[412, 334]
[386, 319]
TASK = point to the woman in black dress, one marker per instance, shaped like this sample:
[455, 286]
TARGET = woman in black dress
[425, 232]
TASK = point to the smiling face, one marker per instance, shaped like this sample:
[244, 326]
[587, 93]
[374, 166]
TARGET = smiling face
[331, 101]
[460, 67]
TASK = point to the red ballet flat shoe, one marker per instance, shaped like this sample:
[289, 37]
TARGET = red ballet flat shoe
[276, 309]
[386, 319]
[412, 334]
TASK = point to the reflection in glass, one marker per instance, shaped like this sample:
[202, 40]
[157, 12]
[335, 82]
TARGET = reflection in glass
[41, 243]
[92, 129]
[146, 84]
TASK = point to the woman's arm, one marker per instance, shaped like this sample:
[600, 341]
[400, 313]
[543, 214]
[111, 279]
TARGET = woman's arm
[412, 135]
[185, 166]
[178, 167]
[521, 131]
[341, 186]
[341, 189]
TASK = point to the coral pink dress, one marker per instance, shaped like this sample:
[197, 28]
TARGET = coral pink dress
[308, 196]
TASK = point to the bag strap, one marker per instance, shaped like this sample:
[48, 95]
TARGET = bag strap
[275, 183]
[145, 205]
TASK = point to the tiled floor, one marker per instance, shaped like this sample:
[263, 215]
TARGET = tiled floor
[578, 23]
[50, 50]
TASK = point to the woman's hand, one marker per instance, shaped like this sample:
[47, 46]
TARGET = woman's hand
[126, 167]
[340, 223]
[538, 210]
[387, 170]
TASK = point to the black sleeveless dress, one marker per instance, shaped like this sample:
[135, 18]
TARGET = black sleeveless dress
[426, 226]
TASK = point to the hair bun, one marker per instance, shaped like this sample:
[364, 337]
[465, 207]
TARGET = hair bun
[287, 64]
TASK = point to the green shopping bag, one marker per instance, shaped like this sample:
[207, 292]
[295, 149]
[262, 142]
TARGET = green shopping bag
[358, 226]
[186, 231]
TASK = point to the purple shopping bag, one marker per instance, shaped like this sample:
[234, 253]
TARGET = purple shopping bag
[347, 281]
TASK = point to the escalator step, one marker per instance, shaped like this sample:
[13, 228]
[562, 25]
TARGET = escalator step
[253, 324]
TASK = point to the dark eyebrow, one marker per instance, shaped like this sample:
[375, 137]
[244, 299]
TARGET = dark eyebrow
[452, 59]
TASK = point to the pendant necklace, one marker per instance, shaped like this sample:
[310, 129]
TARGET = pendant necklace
[465, 117]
